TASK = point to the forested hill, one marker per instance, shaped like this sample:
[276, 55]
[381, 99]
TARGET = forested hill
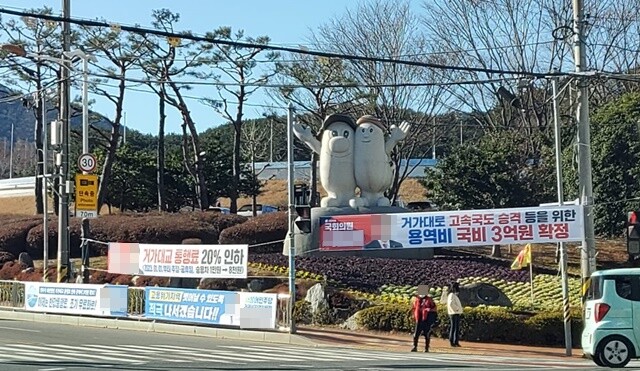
[15, 108]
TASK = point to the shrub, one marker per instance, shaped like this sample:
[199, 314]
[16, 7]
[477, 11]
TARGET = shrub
[13, 233]
[386, 318]
[302, 312]
[35, 238]
[484, 324]
[266, 232]
[10, 270]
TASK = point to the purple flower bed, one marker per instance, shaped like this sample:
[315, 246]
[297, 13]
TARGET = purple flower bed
[368, 274]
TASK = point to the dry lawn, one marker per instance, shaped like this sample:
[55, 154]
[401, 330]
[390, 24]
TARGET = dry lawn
[274, 193]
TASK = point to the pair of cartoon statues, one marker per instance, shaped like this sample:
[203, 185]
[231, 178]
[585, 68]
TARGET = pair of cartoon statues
[354, 154]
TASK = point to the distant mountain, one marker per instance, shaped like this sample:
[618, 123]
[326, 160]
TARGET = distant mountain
[14, 108]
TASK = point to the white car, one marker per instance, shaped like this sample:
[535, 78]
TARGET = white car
[247, 210]
[612, 317]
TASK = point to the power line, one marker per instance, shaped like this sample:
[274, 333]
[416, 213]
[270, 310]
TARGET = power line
[140, 30]
[295, 86]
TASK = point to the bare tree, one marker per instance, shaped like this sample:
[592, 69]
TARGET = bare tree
[387, 29]
[240, 77]
[255, 143]
[317, 87]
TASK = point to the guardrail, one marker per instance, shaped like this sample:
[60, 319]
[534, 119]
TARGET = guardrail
[12, 296]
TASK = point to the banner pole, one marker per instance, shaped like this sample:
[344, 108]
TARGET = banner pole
[531, 278]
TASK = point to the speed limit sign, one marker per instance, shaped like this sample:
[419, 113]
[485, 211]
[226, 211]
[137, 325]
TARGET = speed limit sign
[87, 162]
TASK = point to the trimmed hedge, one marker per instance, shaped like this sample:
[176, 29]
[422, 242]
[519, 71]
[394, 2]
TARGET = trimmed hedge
[479, 324]
[26, 233]
[14, 231]
[267, 231]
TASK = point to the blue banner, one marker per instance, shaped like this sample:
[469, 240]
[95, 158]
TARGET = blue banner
[190, 305]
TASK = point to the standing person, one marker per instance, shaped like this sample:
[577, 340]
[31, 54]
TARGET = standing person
[425, 315]
[454, 309]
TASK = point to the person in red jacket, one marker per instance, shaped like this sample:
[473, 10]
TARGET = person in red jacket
[425, 315]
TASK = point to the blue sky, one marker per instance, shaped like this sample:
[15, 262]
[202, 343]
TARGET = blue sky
[286, 22]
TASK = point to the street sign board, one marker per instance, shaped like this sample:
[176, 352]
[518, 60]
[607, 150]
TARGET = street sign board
[86, 195]
[87, 162]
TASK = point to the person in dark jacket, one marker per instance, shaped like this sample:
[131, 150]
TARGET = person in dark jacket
[425, 315]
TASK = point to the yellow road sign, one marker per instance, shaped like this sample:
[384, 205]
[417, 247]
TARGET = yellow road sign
[86, 195]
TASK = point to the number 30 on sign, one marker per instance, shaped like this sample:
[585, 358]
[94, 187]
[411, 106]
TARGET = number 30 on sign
[87, 162]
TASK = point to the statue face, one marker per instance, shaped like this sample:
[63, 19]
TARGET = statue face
[369, 133]
[338, 139]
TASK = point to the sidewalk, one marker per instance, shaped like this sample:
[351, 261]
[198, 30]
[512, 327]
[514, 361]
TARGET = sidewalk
[403, 343]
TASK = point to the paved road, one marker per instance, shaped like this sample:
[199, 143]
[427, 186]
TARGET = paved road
[54, 347]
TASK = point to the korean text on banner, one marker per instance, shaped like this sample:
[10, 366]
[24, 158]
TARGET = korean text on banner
[194, 261]
[188, 305]
[452, 228]
[95, 300]
[258, 310]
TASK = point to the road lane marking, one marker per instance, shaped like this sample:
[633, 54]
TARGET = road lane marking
[18, 329]
[52, 369]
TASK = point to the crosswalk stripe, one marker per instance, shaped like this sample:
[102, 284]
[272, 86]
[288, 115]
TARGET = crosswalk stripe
[121, 357]
[110, 349]
[281, 354]
[103, 349]
[313, 352]
[36, 355]
[39, 350]
[215, 354]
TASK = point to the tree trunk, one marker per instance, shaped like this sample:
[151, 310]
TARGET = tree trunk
[236, 159]
[160, 152]
[113, 143]
[187, 120]
[496, 252]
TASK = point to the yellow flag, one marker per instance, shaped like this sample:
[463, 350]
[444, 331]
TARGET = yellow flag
[523, 259]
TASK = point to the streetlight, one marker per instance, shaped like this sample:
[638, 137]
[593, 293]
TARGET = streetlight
[85, 93]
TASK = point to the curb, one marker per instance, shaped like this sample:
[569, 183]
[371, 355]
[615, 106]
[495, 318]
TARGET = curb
[160, 327]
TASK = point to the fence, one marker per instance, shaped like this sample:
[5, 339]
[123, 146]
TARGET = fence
[12, 297]
[11, 294]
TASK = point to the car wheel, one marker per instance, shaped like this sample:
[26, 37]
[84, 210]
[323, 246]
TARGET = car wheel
[614, 351]
[596, 359]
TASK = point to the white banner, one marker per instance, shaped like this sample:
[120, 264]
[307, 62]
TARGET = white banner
[452, 228]
[95, 300]
[194, 261]
[258, 310]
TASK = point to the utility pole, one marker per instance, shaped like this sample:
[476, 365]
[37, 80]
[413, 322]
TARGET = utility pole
[11, 153]
[292, 210]
[585, 188]
[63, 268]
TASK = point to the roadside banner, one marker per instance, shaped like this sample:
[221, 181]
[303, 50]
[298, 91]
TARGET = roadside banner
[258, 310]
[452, 228]
[95, 300]
[188, 261]
[189, 305]
[215, 307]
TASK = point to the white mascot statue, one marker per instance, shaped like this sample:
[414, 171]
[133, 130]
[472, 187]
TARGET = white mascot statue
[336, 157]
[374, 170]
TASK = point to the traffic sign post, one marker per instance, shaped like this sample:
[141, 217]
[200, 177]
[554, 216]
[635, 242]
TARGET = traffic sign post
[86, 196]
[87, 163]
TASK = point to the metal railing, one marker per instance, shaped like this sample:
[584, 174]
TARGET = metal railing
[283, 312]
[11, 294]
[135, 301]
